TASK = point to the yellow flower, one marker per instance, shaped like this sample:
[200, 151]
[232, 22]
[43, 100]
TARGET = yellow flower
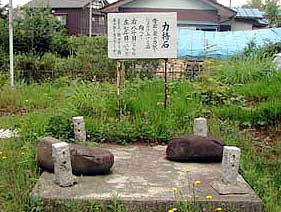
[1, 153]
[174, 209]
[4, 157]
[175, 189]
[218, 209]
[197, 182]
[170, 211]
[209, 197]
[23, 153]
[188, 171]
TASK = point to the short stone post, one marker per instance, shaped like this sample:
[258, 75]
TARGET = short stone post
[230, 164]
[79, 128]
[62, 164]
[229, 182]
[200, 127]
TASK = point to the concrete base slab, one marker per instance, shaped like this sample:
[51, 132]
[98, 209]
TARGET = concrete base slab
[222, 188]
[145, 181]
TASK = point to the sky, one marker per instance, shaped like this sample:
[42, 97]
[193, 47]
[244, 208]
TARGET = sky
[235, 3]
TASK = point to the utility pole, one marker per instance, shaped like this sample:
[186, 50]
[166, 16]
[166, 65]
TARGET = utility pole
[91, 19]
[11, 43]
[230, 4]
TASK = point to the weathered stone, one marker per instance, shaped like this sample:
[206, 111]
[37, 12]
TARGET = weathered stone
[195, 149]
[79, 128]
[200, 127]
[277, 61]
[62, 164]
[229, 182]
[230, 164]
[84, 160]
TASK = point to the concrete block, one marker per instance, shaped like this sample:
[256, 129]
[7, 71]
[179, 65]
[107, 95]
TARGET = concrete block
[79, 128]
[62, 164]
[200, 127]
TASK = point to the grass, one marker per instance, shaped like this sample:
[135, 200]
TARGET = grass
[247, 116]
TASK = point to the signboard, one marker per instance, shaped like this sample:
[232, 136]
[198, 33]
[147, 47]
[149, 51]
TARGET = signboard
[142, 35]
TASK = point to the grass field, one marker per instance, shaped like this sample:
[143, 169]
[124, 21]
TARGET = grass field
[243, 109]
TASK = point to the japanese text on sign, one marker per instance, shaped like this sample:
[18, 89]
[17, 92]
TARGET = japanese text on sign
[142, 35]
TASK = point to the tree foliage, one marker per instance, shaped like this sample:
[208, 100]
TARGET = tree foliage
[272, 9]
[39, 32]
[254, 4]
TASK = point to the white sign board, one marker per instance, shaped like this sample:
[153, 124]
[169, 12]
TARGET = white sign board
[142, 35]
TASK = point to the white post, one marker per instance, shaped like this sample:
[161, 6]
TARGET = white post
[62, 164]
[200, 127]
[11, 44]
[230, 164]
[79, 128]
[91, 19]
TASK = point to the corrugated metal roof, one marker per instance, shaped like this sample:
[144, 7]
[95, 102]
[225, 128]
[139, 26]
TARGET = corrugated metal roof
[249, 13]
[205, 23]
[58, 3]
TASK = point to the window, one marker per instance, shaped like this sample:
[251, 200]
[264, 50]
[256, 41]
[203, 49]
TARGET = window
[101, 20]
[62, 19]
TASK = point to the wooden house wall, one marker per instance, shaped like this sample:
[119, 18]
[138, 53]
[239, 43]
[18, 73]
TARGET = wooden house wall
[78, 21]
[192, 15]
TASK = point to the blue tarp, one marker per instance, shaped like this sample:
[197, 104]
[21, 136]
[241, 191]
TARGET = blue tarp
[200, 44]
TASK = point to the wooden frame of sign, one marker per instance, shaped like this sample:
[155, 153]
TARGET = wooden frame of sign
[142, 36]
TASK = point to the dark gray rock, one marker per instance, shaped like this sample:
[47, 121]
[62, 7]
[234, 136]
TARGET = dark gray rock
[84, 160]
[195, 149]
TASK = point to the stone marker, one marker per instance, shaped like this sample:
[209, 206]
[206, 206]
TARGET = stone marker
[229, 183]
[277, 61]
[230, 164]
[200, 127]
[79, 128]
[195, 149]
[84, 160]
[62, 164]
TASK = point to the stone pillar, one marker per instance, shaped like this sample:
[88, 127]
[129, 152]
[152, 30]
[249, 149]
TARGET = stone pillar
[200, 127]
[79, 128]
[62, 164]
[230, 164]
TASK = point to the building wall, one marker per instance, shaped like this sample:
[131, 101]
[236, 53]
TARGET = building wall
[240, 26]
[193, 15]
[73, 19]
[77, 22]
[168, 4]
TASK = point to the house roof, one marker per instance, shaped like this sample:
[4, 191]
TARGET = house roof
[61, 3]
[223, 9]
[251, 13]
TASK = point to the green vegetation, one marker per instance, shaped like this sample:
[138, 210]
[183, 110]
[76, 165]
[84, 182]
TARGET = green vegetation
[240, 97]
[244, 111]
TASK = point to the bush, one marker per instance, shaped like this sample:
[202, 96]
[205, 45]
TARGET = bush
[91, 56]
[266, 51]
[243, 70]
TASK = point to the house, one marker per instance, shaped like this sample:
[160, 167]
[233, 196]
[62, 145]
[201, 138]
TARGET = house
[75, 14]
[248, 19]
[206, 15]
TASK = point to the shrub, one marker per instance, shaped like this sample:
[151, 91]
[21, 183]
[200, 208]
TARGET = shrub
[243, 70]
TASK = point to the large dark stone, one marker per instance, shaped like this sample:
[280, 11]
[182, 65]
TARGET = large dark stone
[84, 160]
[195, 149]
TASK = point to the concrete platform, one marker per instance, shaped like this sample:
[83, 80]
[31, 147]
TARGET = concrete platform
[144, 180]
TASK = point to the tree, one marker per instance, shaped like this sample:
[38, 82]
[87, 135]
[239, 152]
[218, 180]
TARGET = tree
[39, 32]
[271, 10]
[254, 4]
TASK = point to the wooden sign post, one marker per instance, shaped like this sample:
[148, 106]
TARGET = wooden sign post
[142, 36]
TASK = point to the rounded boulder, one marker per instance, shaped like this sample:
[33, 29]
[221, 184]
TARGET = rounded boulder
[195, 149]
